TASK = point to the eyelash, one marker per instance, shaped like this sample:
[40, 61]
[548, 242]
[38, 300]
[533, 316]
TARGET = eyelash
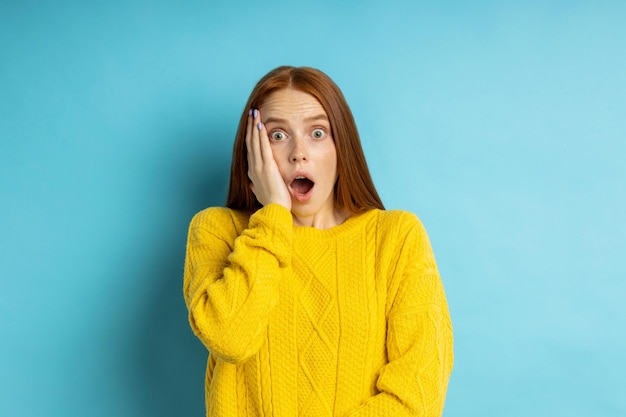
[275, 132]
[321, 129]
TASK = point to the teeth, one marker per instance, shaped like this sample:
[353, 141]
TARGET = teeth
[300, 177]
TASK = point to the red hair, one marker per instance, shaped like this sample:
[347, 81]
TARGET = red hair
[354, 190]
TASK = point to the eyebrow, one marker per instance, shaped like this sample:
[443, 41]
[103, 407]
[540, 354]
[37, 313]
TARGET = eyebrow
[317, 117]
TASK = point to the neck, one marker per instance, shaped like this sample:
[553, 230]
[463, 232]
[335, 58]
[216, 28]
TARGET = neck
[321, 221]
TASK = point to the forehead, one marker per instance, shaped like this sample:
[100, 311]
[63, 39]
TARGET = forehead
[291, 104]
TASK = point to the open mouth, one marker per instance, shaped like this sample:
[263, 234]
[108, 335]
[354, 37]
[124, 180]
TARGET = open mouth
[301, 186]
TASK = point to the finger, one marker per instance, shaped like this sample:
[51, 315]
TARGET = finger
[255, 138]
[249, 138]
[264, 143]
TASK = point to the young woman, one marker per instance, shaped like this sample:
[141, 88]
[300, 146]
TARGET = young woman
[311, 299]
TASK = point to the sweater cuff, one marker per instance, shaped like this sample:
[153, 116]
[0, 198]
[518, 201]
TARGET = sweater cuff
[275, 212]
[274, 225]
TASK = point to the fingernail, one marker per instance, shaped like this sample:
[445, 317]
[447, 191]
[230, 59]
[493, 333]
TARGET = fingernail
[256, 113]
[250, 112]
[260, 125]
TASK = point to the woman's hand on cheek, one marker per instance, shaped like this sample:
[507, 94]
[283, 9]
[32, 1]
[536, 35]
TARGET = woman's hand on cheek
[267, 183]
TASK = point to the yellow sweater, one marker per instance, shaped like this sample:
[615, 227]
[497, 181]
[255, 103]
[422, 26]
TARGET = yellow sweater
[349, 321]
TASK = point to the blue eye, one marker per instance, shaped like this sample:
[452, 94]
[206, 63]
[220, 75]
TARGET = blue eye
[318, 133]
[278, 136]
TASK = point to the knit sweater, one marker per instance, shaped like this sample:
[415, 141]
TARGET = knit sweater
[348, 321]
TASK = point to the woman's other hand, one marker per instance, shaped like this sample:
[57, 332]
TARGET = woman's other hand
[267, 183]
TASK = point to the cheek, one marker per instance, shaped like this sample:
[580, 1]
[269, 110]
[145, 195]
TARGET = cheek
[331, 160]
[280, 158]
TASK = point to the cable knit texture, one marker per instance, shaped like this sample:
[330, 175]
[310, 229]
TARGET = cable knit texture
[349, 321]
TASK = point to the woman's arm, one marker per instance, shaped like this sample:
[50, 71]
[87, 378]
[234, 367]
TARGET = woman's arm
[419, 339]
[230, 281]
[230, 289]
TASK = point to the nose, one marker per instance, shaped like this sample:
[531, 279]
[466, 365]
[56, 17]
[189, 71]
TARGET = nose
[298, 152]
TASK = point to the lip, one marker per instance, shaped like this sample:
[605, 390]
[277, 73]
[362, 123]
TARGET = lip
[302, 198]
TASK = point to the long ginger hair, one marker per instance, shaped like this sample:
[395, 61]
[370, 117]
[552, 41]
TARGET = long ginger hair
[354, 189]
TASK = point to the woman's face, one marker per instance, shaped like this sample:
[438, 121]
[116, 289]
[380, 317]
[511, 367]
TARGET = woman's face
[304, 150]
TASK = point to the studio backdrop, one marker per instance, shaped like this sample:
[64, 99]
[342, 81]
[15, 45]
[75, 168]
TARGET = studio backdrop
[501, 125]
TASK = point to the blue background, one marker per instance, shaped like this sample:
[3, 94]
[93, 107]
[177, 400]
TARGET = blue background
[502, 125]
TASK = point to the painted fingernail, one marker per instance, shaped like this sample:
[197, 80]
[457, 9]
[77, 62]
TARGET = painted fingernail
[260, 125]
[250, 112]
[256, 113]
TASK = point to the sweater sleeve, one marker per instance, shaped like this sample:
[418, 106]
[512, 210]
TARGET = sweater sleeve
[231, 281]
[419, 338]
